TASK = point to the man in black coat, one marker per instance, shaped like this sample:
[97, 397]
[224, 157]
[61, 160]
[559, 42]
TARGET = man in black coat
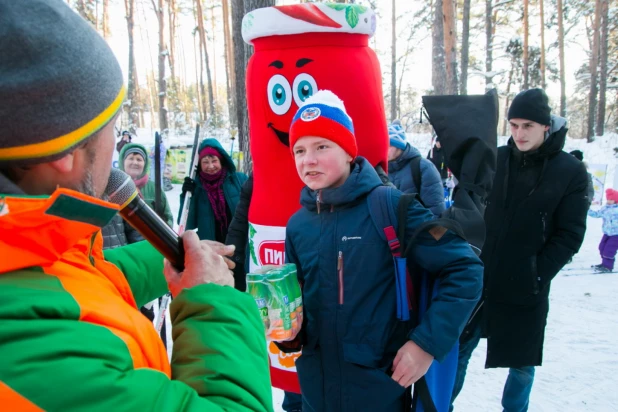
[536, 221]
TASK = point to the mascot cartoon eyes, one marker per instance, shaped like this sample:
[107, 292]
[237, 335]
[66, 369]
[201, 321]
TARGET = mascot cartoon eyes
[280, 93]
[304, 87]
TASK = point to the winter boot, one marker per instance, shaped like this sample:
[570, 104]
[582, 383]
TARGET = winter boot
[600, 265]
[602, 269]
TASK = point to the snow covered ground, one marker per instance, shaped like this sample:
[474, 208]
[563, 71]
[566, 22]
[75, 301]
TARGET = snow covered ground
[580, 371]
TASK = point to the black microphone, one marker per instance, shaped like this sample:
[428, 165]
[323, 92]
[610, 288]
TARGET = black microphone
[121, 190]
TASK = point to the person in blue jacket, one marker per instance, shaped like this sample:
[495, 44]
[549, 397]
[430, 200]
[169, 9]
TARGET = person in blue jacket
[404, 160]
[356, 354]
[216, 192]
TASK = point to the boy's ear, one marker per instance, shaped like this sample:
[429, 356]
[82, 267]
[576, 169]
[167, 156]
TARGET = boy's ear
[350, 159]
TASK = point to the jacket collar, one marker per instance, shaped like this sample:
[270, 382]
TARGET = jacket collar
[37, 231]
[362, 180]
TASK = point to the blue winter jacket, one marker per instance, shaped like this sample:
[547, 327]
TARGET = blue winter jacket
[201, 215]
[352, 333]
[432, 190]
[609, 213]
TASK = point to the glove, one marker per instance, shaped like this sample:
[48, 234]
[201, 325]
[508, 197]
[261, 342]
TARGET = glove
[188, 185]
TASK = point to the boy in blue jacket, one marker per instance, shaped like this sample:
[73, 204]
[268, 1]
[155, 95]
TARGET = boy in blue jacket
[356, 354]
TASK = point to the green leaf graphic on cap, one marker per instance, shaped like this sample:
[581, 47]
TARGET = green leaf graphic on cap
[337, 6]
[351, 14]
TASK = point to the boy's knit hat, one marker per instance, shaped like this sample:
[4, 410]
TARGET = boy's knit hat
[324, 115]
[611, 194]
[532, 105]
[60, 83]
[397, 135]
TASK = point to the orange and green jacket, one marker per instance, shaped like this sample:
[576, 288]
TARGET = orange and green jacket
[71, 337]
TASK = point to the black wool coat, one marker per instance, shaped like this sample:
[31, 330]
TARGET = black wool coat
[536, 221]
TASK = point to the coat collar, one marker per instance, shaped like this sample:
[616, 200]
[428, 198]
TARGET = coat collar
[37, 231]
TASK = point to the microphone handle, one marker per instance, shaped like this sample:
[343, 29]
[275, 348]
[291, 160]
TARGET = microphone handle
[155, 231]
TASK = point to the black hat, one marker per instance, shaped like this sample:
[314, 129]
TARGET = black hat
[532, 105]
[578, 154]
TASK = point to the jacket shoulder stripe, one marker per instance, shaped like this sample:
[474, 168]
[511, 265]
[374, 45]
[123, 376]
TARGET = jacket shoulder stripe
[13, 401]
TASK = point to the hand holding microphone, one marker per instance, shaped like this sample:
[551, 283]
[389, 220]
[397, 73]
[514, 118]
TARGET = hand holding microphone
[203, 264]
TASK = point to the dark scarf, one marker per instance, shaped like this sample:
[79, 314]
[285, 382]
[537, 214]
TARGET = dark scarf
[213, 185]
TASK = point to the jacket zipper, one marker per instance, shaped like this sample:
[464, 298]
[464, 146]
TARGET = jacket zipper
[340, 275]
[318, 200]
[90, 257]
[544, 224]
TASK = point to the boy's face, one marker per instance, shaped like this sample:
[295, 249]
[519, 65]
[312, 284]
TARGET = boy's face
[394, 153]
[528, 135]
[321, 163]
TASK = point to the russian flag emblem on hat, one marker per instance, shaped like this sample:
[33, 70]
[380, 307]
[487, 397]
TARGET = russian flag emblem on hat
[324, 115]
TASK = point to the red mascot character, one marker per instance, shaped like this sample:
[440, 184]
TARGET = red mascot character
[300, 49]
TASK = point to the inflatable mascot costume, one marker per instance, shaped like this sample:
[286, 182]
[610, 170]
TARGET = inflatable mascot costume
[300, 49]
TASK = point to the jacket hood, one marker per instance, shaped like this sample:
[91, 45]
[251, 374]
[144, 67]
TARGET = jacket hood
[552, 145]
[362, 180]
[227, 160]
[402, 161]
[131, 146]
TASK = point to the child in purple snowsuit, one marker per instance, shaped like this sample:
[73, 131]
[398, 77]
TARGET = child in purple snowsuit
[609, 243]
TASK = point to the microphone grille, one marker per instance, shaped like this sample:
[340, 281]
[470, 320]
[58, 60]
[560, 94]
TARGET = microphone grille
[120, 188]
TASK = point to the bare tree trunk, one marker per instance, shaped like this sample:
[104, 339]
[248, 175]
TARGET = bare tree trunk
[238, 11]
[438, 77]
[161, 58]
[132, 87]
[242, 52]
[543, 83]
[526, 35]
[204, 59]
[214, 52]
[465, 48]
[450, 45]
[172, 52]
[603, 73]
[561, 58]
[508, 98]
[594, 62]
[229, 64]
[393, 63]
[105, 19]
[199, 83]
[489, 39]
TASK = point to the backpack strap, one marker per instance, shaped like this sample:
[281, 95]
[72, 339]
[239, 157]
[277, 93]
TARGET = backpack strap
[381, 210]
[415, 165]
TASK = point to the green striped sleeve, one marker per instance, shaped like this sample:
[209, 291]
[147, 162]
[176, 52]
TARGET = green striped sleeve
[142, 266]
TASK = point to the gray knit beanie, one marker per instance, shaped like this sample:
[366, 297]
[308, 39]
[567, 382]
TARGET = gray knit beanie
[59, 81]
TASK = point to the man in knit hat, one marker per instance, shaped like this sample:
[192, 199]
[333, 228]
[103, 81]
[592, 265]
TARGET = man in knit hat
[411, 173]
[358, 351]
[536, 221]
[72, 337]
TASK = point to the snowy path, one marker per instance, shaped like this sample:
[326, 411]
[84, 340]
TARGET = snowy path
[580, 371]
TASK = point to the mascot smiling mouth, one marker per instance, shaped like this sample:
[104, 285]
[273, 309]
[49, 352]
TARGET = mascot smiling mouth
[282, 136]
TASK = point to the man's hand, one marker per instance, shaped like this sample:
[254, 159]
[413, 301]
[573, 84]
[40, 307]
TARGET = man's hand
[222, 250]
[410, 364]
[202, 265]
